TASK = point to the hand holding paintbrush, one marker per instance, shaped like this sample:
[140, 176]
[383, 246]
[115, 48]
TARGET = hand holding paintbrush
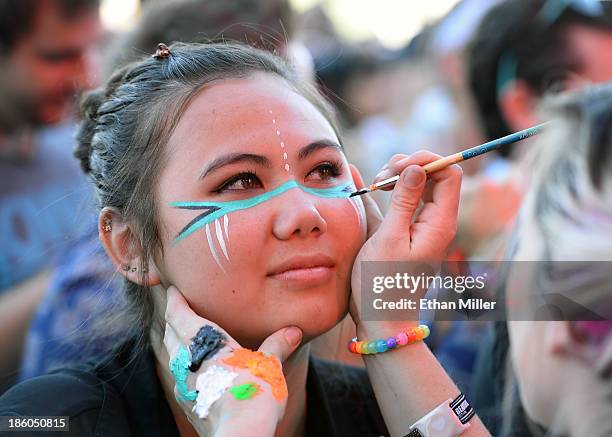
[459, 156]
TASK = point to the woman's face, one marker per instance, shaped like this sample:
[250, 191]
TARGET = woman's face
[272, 257]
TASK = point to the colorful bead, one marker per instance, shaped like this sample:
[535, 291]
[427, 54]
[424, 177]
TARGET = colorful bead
[426, 331]
[372, 347]
[381, 346]
[358, 346]
[402, 339]
[411, 336]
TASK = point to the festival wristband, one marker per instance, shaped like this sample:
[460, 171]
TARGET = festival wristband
[400, 339]
[449, 419]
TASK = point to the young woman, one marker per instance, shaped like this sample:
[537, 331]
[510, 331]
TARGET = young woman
[223, 190]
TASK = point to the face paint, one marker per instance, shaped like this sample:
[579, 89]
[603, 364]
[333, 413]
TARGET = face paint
[225, 225]
[357, 205]
[220, 239]
[245, 391]
[179, 367]
[215, 210]
[211, 245]
[210, 386]
[207, 342]
[266, 367]
[282, 143]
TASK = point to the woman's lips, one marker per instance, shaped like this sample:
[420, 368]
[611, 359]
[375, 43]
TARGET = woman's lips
[310, 270]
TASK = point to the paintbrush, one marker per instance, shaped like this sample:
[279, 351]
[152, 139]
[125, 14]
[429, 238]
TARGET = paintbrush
[470, 153]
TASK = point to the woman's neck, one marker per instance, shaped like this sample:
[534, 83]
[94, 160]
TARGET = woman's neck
[295, 369]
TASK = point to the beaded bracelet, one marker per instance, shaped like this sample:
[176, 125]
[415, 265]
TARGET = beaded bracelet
[412, 335]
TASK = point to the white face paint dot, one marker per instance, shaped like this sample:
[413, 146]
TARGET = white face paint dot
[282, 143]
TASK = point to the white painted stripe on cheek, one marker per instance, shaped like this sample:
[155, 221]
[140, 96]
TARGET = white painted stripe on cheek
[356, 208]
[220, 238]
[212, 247]
[225, 223]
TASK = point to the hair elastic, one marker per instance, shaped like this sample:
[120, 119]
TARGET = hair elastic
[162, 52]
[400, 339]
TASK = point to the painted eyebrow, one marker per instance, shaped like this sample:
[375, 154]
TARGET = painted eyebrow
[260, 160]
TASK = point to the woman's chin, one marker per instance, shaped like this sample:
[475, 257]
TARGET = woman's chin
[319, 324]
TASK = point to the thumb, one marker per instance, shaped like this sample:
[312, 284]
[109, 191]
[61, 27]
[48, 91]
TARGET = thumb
[282, 343]
[405, 198]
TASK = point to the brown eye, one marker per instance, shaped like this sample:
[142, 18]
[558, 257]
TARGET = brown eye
[325, 171]
[243, 181]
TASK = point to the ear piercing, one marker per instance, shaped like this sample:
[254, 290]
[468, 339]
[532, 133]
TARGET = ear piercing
[107, 225]
[128, 268]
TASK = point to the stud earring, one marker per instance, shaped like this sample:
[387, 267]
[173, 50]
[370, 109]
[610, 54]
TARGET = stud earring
[107, 225]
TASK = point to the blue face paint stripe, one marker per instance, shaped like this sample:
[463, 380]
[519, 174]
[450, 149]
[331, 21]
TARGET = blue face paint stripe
[219, 209]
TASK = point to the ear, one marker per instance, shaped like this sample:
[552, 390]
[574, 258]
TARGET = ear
[124, 249]
[518, 103]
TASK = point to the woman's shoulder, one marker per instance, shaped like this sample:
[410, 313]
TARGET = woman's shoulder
[76, 393]
[67, 392]
[94, 396]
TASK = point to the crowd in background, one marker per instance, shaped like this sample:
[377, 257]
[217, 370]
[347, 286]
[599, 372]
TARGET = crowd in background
[478, 73]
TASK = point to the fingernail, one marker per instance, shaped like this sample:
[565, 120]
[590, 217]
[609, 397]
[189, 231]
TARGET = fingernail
[413, 175]
[293, 335]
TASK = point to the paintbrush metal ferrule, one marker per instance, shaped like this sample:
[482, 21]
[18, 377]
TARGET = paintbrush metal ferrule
[385, 182]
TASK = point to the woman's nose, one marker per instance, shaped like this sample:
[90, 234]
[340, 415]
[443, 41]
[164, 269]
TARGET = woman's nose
[298, 216]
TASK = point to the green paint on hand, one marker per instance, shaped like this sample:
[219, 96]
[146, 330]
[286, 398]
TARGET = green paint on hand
[179, 367]
[244, 391]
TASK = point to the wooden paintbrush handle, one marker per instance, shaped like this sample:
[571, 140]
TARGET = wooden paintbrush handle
[442, 163]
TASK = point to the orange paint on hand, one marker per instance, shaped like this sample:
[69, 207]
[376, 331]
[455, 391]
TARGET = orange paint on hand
[266, 367]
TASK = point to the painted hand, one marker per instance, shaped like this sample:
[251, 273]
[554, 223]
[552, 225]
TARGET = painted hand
[229, 390]
[420, 223]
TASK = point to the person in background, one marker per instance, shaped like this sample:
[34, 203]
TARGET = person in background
[523, 50]
[48, 56]
[565, 230]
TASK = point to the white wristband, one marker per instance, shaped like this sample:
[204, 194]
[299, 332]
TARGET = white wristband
[449, 419]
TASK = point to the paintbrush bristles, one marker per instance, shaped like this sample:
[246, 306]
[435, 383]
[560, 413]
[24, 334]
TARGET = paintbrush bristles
[360, 192]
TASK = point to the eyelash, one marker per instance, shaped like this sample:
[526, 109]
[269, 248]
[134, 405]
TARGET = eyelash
[334, 168]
